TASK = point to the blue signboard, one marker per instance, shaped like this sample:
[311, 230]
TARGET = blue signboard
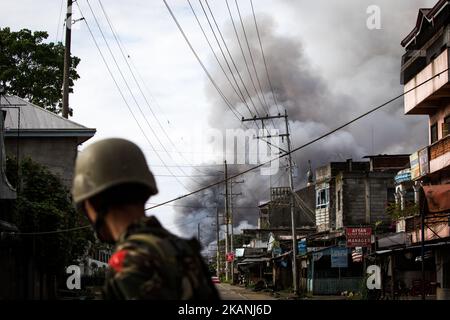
[339, 257]
[302, 247]
[276, 252]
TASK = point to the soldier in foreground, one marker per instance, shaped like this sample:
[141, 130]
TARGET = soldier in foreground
[111, 186]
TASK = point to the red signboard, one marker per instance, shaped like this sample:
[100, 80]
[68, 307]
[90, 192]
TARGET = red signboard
[358, 237]
[230, 256]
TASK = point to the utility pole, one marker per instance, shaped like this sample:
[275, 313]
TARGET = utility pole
[227, 221]
[291, 182]
[218, 247]
[422, 246]
[291, 185]
[67, 60]
[198, 232]
[232, 224]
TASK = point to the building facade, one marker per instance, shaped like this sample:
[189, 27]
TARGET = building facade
[28, 131]
[356, 193]
[47, 138]
[423, 189]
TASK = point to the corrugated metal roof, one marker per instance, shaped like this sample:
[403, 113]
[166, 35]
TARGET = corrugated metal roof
[33, 117]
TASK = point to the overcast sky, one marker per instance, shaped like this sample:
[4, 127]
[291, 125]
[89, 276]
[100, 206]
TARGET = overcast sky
[350, 61]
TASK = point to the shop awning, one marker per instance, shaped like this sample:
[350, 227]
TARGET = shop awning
[427, 245]
[437, 198]
[254, 260]
[282, 255]
[396, 239]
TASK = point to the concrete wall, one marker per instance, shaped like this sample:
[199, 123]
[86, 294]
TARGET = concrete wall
[420, 97]
[363, 195]
[339, 196]
[365, 198]
[280, 215]
[57, 154]
[354, 201]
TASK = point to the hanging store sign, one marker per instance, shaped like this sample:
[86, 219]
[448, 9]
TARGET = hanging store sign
[415, 167]
[358, 237]
[240, 252]
[423, 162]
[302, 248]
[276, 252]
[339, 257]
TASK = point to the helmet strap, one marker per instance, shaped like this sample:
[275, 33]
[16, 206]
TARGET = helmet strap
[100, 229]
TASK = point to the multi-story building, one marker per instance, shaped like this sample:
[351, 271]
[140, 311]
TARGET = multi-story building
[356, 193]
[276, 213]
[29, 131]
[47, 138]
[425, 76]
[427, 58]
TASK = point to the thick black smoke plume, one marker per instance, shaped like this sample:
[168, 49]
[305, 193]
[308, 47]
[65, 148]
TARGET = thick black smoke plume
[326, 67]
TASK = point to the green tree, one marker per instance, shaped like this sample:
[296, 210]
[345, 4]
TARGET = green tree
[33, 69]
[396, 213]
[43, 205]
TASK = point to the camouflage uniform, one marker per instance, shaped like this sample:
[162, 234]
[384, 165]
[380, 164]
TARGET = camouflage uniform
[152, 263]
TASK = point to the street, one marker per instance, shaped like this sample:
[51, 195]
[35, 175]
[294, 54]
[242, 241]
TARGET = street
[229, 292]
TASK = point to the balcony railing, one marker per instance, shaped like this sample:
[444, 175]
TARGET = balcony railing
[440, 154]
[440, 148]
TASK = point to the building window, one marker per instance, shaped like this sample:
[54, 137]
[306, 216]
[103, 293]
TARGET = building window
[339, 200]
[322, 198]
[390, 195]
[446, 127]
[434, 133]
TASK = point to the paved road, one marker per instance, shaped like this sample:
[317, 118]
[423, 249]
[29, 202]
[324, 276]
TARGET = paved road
[229, 292]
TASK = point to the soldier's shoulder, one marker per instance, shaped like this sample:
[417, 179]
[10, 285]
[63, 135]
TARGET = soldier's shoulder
[150, 233]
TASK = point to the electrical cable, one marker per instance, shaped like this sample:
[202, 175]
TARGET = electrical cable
[329, 133]
[264, 58]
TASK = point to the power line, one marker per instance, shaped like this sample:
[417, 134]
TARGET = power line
[229, 105]
[250, 52]
[187, 176]
[110, 72]
[130, 91]
[185, 223]
[195, 166]
[159, 109]
[236, 112]
[203, 207]
[229, 54]
[46, 232]
[245, 58]
[120, 45]
[264, 57]
[240, 95]
[304, 145]
[59, 21]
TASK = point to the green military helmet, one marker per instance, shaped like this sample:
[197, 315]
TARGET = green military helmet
[109, 163]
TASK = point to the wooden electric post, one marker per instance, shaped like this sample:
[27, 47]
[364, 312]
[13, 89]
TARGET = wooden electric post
[67, 60]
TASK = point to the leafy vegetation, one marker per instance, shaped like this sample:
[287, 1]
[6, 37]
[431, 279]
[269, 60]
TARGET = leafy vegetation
[44, 204]
[33, 69]
[396, 212]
